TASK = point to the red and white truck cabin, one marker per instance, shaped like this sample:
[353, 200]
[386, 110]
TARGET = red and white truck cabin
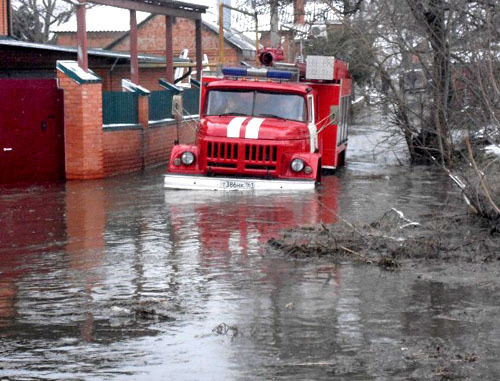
[260, 129]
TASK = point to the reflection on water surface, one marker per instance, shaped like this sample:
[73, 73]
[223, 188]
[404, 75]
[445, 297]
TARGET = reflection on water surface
[120, 279]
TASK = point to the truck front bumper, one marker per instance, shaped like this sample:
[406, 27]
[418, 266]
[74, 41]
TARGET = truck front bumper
[173, 181]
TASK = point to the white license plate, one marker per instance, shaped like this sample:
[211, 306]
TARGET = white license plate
[237, 184]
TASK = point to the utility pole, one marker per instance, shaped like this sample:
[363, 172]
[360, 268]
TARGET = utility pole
[275, 37]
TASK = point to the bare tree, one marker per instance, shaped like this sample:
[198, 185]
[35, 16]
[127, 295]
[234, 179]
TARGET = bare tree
[32, 19]
[436, 65]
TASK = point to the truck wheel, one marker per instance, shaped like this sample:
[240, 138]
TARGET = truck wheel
[328, 171]
[341, 159]
[318, 175]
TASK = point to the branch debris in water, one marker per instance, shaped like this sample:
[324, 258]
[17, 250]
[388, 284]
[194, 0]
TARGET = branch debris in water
[392, 239]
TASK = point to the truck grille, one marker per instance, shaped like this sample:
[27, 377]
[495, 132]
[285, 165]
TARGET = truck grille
[222, 154]
[258, 156]
[253, 156]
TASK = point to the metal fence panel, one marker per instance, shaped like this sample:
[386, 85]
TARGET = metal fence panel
[119, 108]
[160, 105]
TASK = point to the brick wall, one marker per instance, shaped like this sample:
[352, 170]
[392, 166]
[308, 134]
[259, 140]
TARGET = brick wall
[135, 149]
[92, 151]
[131, 150]
[4, 21]
[148, 77]
[94, 39]
[122, 151]
[161, 139]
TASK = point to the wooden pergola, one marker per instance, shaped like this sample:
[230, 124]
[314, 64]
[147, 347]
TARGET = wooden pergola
[169, 8]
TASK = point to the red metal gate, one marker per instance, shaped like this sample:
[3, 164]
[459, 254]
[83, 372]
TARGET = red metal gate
[31, 131]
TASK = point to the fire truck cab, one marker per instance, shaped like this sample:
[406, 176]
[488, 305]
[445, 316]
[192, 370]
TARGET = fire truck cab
[267, 128]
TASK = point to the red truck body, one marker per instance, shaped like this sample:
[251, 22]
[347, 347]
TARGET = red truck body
[259, 143]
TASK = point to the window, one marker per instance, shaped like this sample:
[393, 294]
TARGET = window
[256, 103]
[343, 123]
[230, 102]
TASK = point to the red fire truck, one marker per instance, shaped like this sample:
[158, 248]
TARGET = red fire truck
[268, 128]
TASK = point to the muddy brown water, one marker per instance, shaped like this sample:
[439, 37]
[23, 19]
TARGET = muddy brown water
[120, 279]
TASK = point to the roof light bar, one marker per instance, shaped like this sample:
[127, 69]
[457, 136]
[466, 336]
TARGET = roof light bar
[252, 72]
[235, 71]
[279, 74]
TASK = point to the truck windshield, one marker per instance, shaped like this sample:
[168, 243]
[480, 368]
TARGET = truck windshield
[256, 103]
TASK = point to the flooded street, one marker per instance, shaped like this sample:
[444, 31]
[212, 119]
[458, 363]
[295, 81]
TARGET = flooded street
[120, 279]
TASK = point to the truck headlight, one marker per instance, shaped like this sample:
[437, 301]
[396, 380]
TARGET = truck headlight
[187, 158]
[297, 165]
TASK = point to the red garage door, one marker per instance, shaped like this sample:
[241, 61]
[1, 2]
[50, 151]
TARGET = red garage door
[31, 131]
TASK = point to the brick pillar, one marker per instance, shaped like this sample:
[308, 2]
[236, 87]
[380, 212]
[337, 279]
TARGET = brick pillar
[82, 128]
[143, 106]
[4, 17]
[144, 111]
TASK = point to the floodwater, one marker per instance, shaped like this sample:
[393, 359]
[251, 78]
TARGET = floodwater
[120, 279]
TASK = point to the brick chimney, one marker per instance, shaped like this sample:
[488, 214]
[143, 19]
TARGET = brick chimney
[5, 12]
[299, 14]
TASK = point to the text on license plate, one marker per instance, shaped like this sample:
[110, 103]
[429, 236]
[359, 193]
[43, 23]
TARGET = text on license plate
[234, 184]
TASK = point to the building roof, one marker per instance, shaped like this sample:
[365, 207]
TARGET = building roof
[233, 36]
[143, 58]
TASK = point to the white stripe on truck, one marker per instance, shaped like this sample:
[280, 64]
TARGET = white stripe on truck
[253, 127]
[234, 126]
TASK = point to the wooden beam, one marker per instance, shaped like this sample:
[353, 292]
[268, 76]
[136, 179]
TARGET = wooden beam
[81, 33]
[187, 13]
[179, 64]
[256, 40]
[199, 57]
[221, 33]
[9, 18]
[169, 54]
[134, 62]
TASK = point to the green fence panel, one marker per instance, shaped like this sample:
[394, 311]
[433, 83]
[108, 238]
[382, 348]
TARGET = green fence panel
[160, 105]
[119, 108]
[191, 101]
